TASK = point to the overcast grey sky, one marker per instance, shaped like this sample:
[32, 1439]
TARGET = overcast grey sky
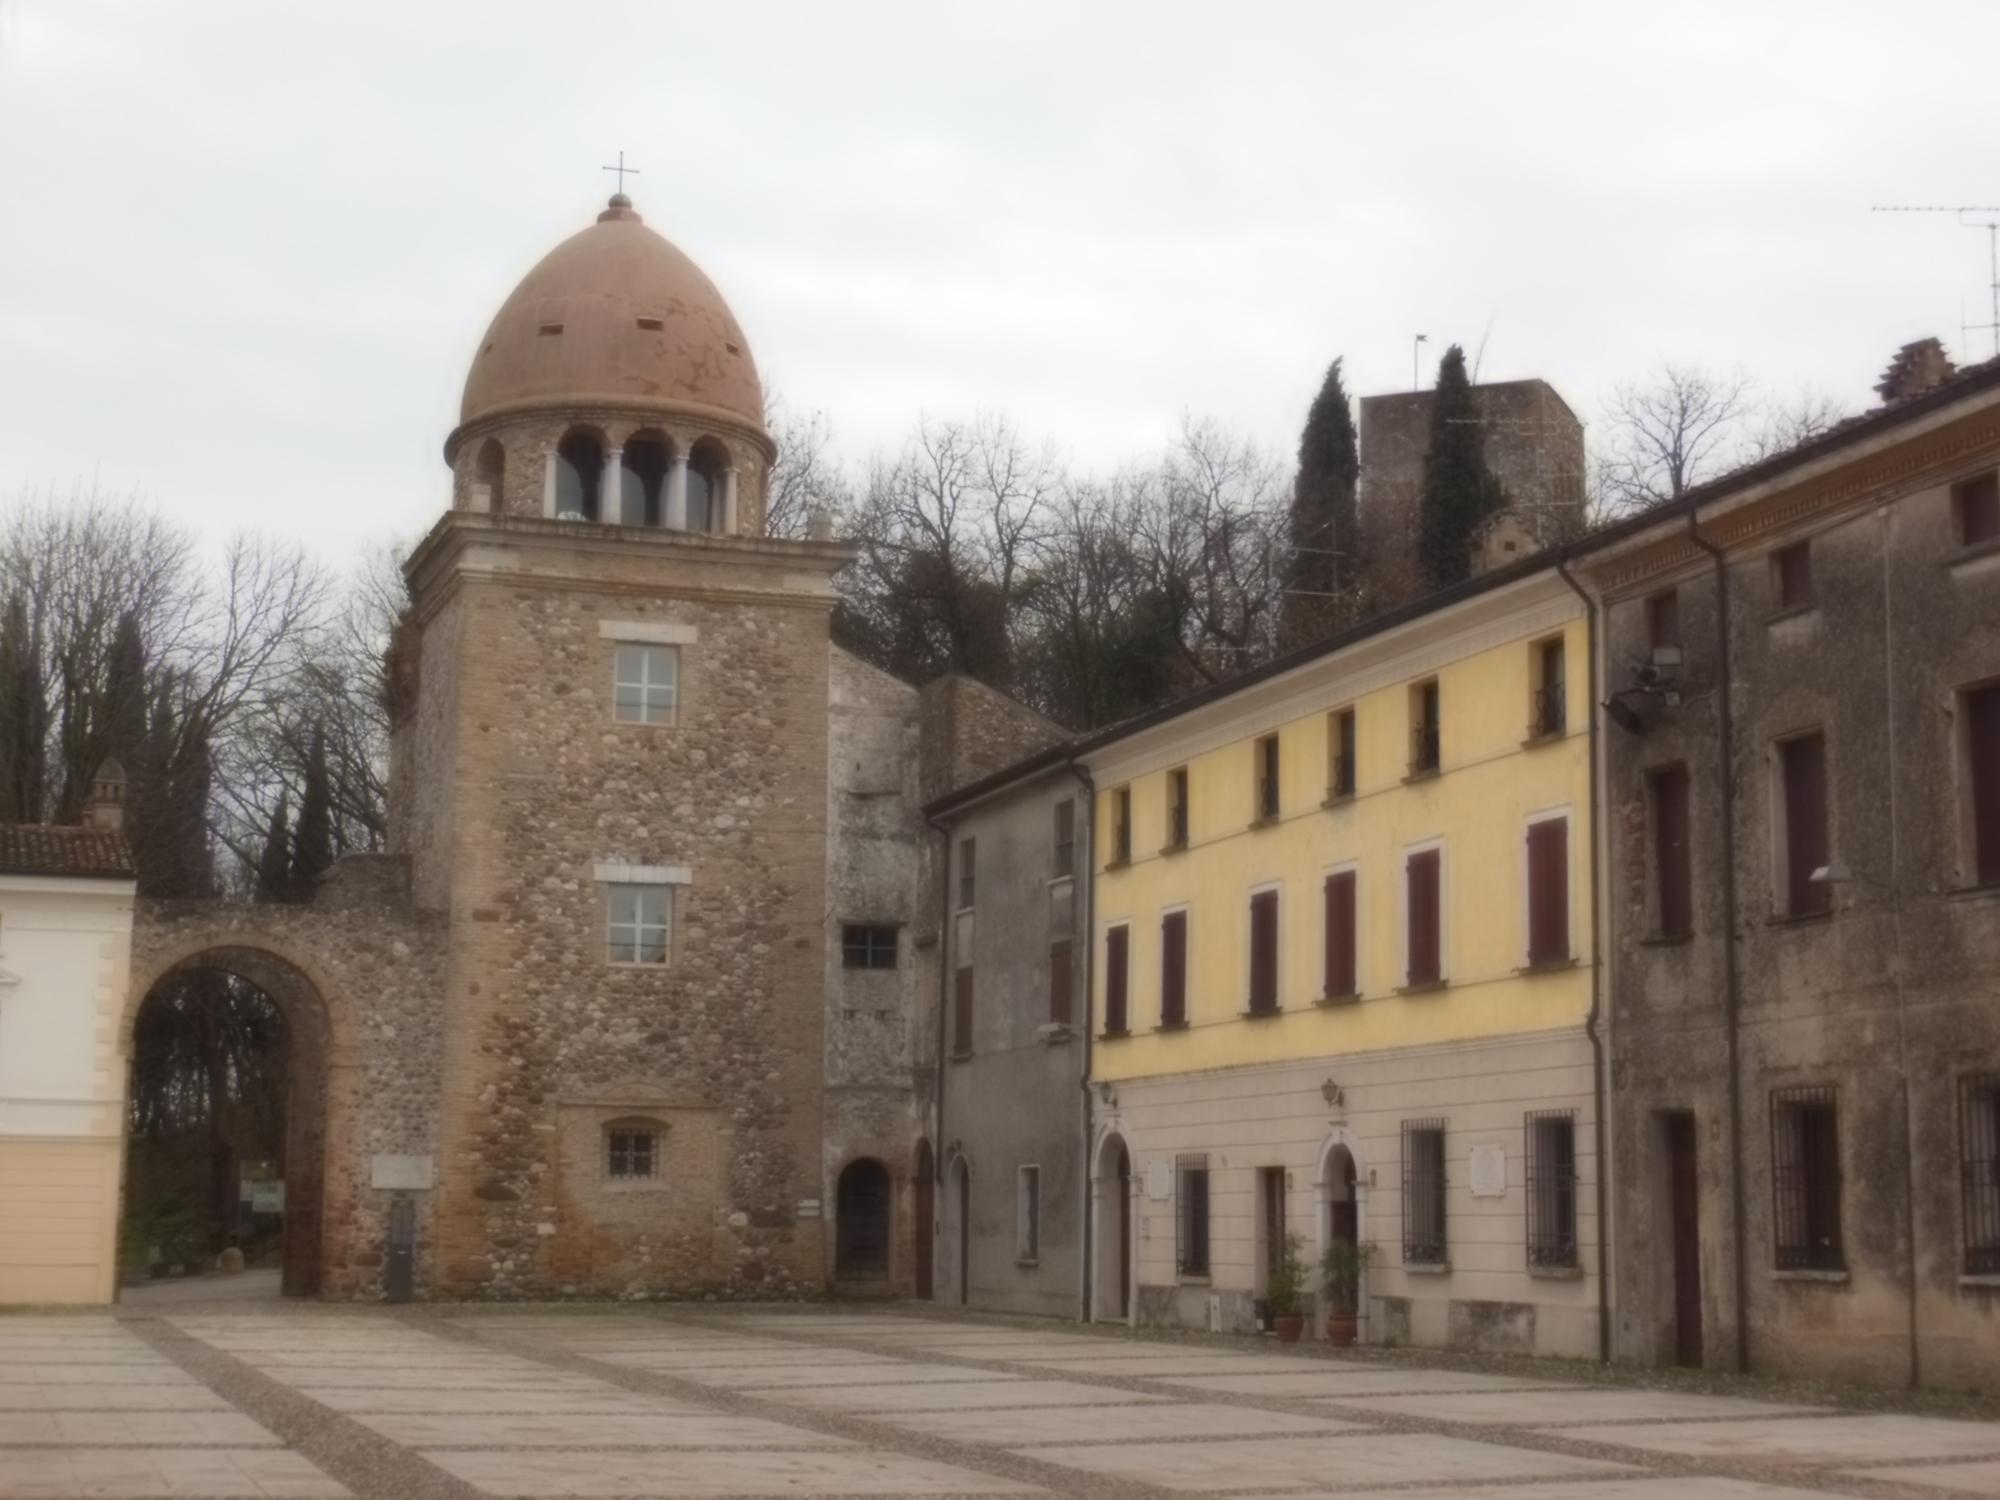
[246, 249]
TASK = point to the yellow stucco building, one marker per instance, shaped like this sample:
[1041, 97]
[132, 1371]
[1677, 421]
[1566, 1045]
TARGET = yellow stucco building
[1343, 980]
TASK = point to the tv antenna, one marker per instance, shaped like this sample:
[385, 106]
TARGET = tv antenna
[1969, 217]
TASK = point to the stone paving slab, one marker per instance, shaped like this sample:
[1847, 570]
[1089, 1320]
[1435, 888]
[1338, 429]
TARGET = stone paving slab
[1958, 1479]
[888, 1372]
[1323, 1378]
[1098, 1425]
[186, 1396]
[1571, 1407]
[129, 1429]
[1850, 1439]
[834, 1362]
[161, 1373]
[698, 1428]
[1679, 1487]
[1167, 1362]
[133, 1353]
[962, 1396]
[1359, 1459]
[530, 1400]
[734, 1474]
[135, 1474]
[504, 1375]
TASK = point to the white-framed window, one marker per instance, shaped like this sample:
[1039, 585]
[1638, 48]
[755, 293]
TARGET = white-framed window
[1028, 1214]
[639, 926]
[632, 1150]
[645, 683]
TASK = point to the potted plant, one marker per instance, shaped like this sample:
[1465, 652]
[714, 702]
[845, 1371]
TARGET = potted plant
[1341, 1270]
[1286, 1291]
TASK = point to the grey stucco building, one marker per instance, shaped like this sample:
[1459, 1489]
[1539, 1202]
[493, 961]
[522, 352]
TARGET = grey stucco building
[1802, 881]
[1012, 1111]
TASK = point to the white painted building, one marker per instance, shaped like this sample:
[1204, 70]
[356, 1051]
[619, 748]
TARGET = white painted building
[65, 953]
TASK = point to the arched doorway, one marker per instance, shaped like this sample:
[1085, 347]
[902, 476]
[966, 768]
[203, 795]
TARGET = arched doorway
[1340, 1222]
[861, 1222]
[1113, 1277]
[923, 1221]
[228, 1049]
[958, 1229]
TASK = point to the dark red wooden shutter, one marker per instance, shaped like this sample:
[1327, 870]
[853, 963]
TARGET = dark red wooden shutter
[1264, 951]
[1059, 982]
[1803, 762]
[1340, 978]
[1982, 713]
[1173, 968]
[1672, 868]
[1548, 891]
[961, 1011]
[1114, 980]
[1424, 967]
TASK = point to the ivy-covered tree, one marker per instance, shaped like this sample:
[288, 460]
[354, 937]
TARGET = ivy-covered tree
[1459, 492]
[1323, 576]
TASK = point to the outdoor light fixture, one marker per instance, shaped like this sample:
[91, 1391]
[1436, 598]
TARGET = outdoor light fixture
[1330, 1092]
[1623, 714]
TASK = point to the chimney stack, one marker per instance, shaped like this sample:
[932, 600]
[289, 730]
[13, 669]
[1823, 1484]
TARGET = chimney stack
[106, 808]
[1918, 367]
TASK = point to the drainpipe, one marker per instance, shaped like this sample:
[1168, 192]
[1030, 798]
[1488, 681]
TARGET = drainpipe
[1590, 1023]
[1725, 766]
[1086, 883]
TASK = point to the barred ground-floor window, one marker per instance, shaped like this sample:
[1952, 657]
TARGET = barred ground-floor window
[1552, 1188]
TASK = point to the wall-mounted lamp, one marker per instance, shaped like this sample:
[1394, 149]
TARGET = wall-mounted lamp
[1330, 1092]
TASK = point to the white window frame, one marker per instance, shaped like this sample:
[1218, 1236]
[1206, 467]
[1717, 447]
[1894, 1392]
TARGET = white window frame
[1525, 912]
[1346, 867]
[1028, 1213]
[1278, 980]
[646, 714]
[1444, 907]
[642, 893]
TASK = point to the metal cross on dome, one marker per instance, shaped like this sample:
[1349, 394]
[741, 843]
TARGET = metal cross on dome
[622, 170]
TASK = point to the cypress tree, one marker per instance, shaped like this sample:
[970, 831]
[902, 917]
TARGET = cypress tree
[23, 720]
[1325, 565]
[312, 850]
[1459, 491]
[274, 867]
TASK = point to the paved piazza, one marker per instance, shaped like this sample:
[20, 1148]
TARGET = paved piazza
[212, 1401]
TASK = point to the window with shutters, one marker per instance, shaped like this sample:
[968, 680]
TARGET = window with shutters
[1979, 712]
[1116, 946]
[1121, 827]
[1340, 755]
[1028, 1214]
[1191, 1215]
[1062, 863]
[1672, 863]
[1663, 620]
[1423, 917]
[1177, 808]
[1548, 701]
[1551, 1188]
[1059, 982]
[1792, 577]
[1979, 1162]
[1266, 809]
[1263, 953]
[1173, 968]
[1548, 892]
[1975, 510]
[1425, 729]
[1803, 844]
[1342, 977]
[968, 867]
[1805, 1180]
[961, 1011]
[1423, 1193]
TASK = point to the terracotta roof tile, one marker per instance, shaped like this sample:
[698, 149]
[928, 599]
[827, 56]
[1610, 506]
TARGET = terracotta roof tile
[42, 849]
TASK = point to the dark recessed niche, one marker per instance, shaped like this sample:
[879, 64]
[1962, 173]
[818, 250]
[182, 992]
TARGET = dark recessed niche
[551, 328]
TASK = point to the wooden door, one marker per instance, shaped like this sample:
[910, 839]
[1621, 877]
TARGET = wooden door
[1684, 1194]
[1124, 1233]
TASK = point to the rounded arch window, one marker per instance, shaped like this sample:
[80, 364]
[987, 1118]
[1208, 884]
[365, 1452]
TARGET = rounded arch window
[708, 462]
[642, 478]
[488, 477]
[579, 468]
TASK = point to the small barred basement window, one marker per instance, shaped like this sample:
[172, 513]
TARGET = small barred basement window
[1423, 1193]
[1552, 1188]
[632, 1152]
[1805, 1180]
[867, 947]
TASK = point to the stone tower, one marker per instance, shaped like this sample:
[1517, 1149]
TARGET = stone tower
[610, 778]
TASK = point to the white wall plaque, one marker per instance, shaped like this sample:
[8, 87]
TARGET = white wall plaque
[1159, 1181]
[403, 1174]
[1489, 1171]
[808, 1208]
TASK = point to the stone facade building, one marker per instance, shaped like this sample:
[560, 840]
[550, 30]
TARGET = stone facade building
[635, 1005]
[1801, 783]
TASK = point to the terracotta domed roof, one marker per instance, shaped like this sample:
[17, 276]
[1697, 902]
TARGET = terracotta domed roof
[615, 316]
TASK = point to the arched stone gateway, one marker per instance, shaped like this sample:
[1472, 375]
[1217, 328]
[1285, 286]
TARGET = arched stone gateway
[358, 977]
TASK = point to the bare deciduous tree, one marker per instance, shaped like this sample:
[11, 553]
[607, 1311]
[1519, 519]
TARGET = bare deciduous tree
[1667, 434]
[805, 480]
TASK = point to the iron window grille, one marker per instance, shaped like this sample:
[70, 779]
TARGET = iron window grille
[632, 1153]
[1177, 810]
[1551, 710]
[1979, 1113]
[1267, 778]
[1423, 1193]
[1340, 769]
[1423, 748]
[1552, 1187]
[1191, 1215]
[867, 947]
[1121, 833]
[1805, 1180]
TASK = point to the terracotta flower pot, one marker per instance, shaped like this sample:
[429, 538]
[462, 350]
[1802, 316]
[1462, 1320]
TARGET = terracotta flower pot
[1341, 1329]
[1288, 1328]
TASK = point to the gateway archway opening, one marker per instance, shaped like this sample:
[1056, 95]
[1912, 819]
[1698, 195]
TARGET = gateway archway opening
[226, 1122]
[861, 1226]
[1113, 1278]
